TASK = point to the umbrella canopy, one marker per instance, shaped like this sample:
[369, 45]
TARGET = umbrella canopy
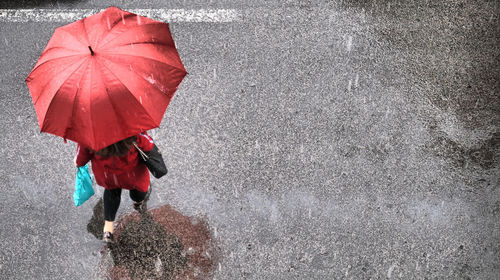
[105, 77]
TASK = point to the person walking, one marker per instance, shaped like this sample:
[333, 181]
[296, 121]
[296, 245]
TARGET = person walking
[118, 167]
[117, 67]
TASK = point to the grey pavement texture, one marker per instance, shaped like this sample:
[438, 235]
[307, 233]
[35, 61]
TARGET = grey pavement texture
[320, 140]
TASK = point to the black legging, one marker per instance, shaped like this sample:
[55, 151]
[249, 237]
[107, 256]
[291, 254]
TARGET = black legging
[112, 200]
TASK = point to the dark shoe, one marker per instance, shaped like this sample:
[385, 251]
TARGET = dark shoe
[141, 206]
[108, 237]
[138, 206]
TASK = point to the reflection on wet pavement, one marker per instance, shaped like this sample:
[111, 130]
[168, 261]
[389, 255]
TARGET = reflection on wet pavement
[159, 244]
[146, 251]
[96, 223]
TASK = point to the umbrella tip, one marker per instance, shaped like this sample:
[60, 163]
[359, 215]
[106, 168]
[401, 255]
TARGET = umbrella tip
[91, 51]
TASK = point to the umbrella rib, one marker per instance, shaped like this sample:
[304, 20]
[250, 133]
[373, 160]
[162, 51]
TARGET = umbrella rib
[144, 42]
[44, 86]
[72, 35]
[50, 103]
[115, 110]
[183, 70]
[112, 102]
[116, 22]
[90, 102]
[128, 30]
[86, 32]
[127, 90]
[50, 61]
[137, 74]
[70, 122]
[57, 47]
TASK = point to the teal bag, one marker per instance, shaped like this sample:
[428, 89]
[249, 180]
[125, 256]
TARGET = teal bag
[83, 186]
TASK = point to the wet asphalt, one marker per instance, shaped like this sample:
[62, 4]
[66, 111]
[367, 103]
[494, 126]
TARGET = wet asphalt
[314, 139]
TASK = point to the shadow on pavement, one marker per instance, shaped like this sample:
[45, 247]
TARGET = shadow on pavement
[96, 223]
[159, 244]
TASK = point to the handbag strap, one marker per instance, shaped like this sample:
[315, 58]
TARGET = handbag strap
[141, 152]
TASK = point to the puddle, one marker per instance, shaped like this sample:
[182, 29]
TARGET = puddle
[160, 244]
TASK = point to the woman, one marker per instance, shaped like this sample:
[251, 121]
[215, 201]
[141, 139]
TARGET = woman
[118, 167]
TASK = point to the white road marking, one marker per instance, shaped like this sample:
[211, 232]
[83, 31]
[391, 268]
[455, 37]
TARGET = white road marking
[167, 15]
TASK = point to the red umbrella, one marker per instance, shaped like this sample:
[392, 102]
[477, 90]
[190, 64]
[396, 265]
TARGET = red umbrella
[105, 78]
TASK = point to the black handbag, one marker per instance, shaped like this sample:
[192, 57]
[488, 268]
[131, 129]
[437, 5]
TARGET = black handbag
[153, 160]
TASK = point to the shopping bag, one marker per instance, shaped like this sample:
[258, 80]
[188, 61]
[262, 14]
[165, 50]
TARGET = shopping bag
[83, 186]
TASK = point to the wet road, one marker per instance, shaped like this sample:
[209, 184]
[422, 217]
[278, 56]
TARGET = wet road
[316, 139]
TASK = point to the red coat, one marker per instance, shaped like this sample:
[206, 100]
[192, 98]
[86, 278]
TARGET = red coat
[126, 172]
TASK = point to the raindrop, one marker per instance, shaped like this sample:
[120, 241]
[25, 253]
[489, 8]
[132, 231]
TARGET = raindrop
[151, 79]
[139, 20]
[356, 81]
[109, 24]
[123, 18]
[349, 43]
[349, 85]
[158, 264]
[477, 103]
[140, 99]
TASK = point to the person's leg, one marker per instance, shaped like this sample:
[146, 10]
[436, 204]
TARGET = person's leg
[138, 197]
[112, 200]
